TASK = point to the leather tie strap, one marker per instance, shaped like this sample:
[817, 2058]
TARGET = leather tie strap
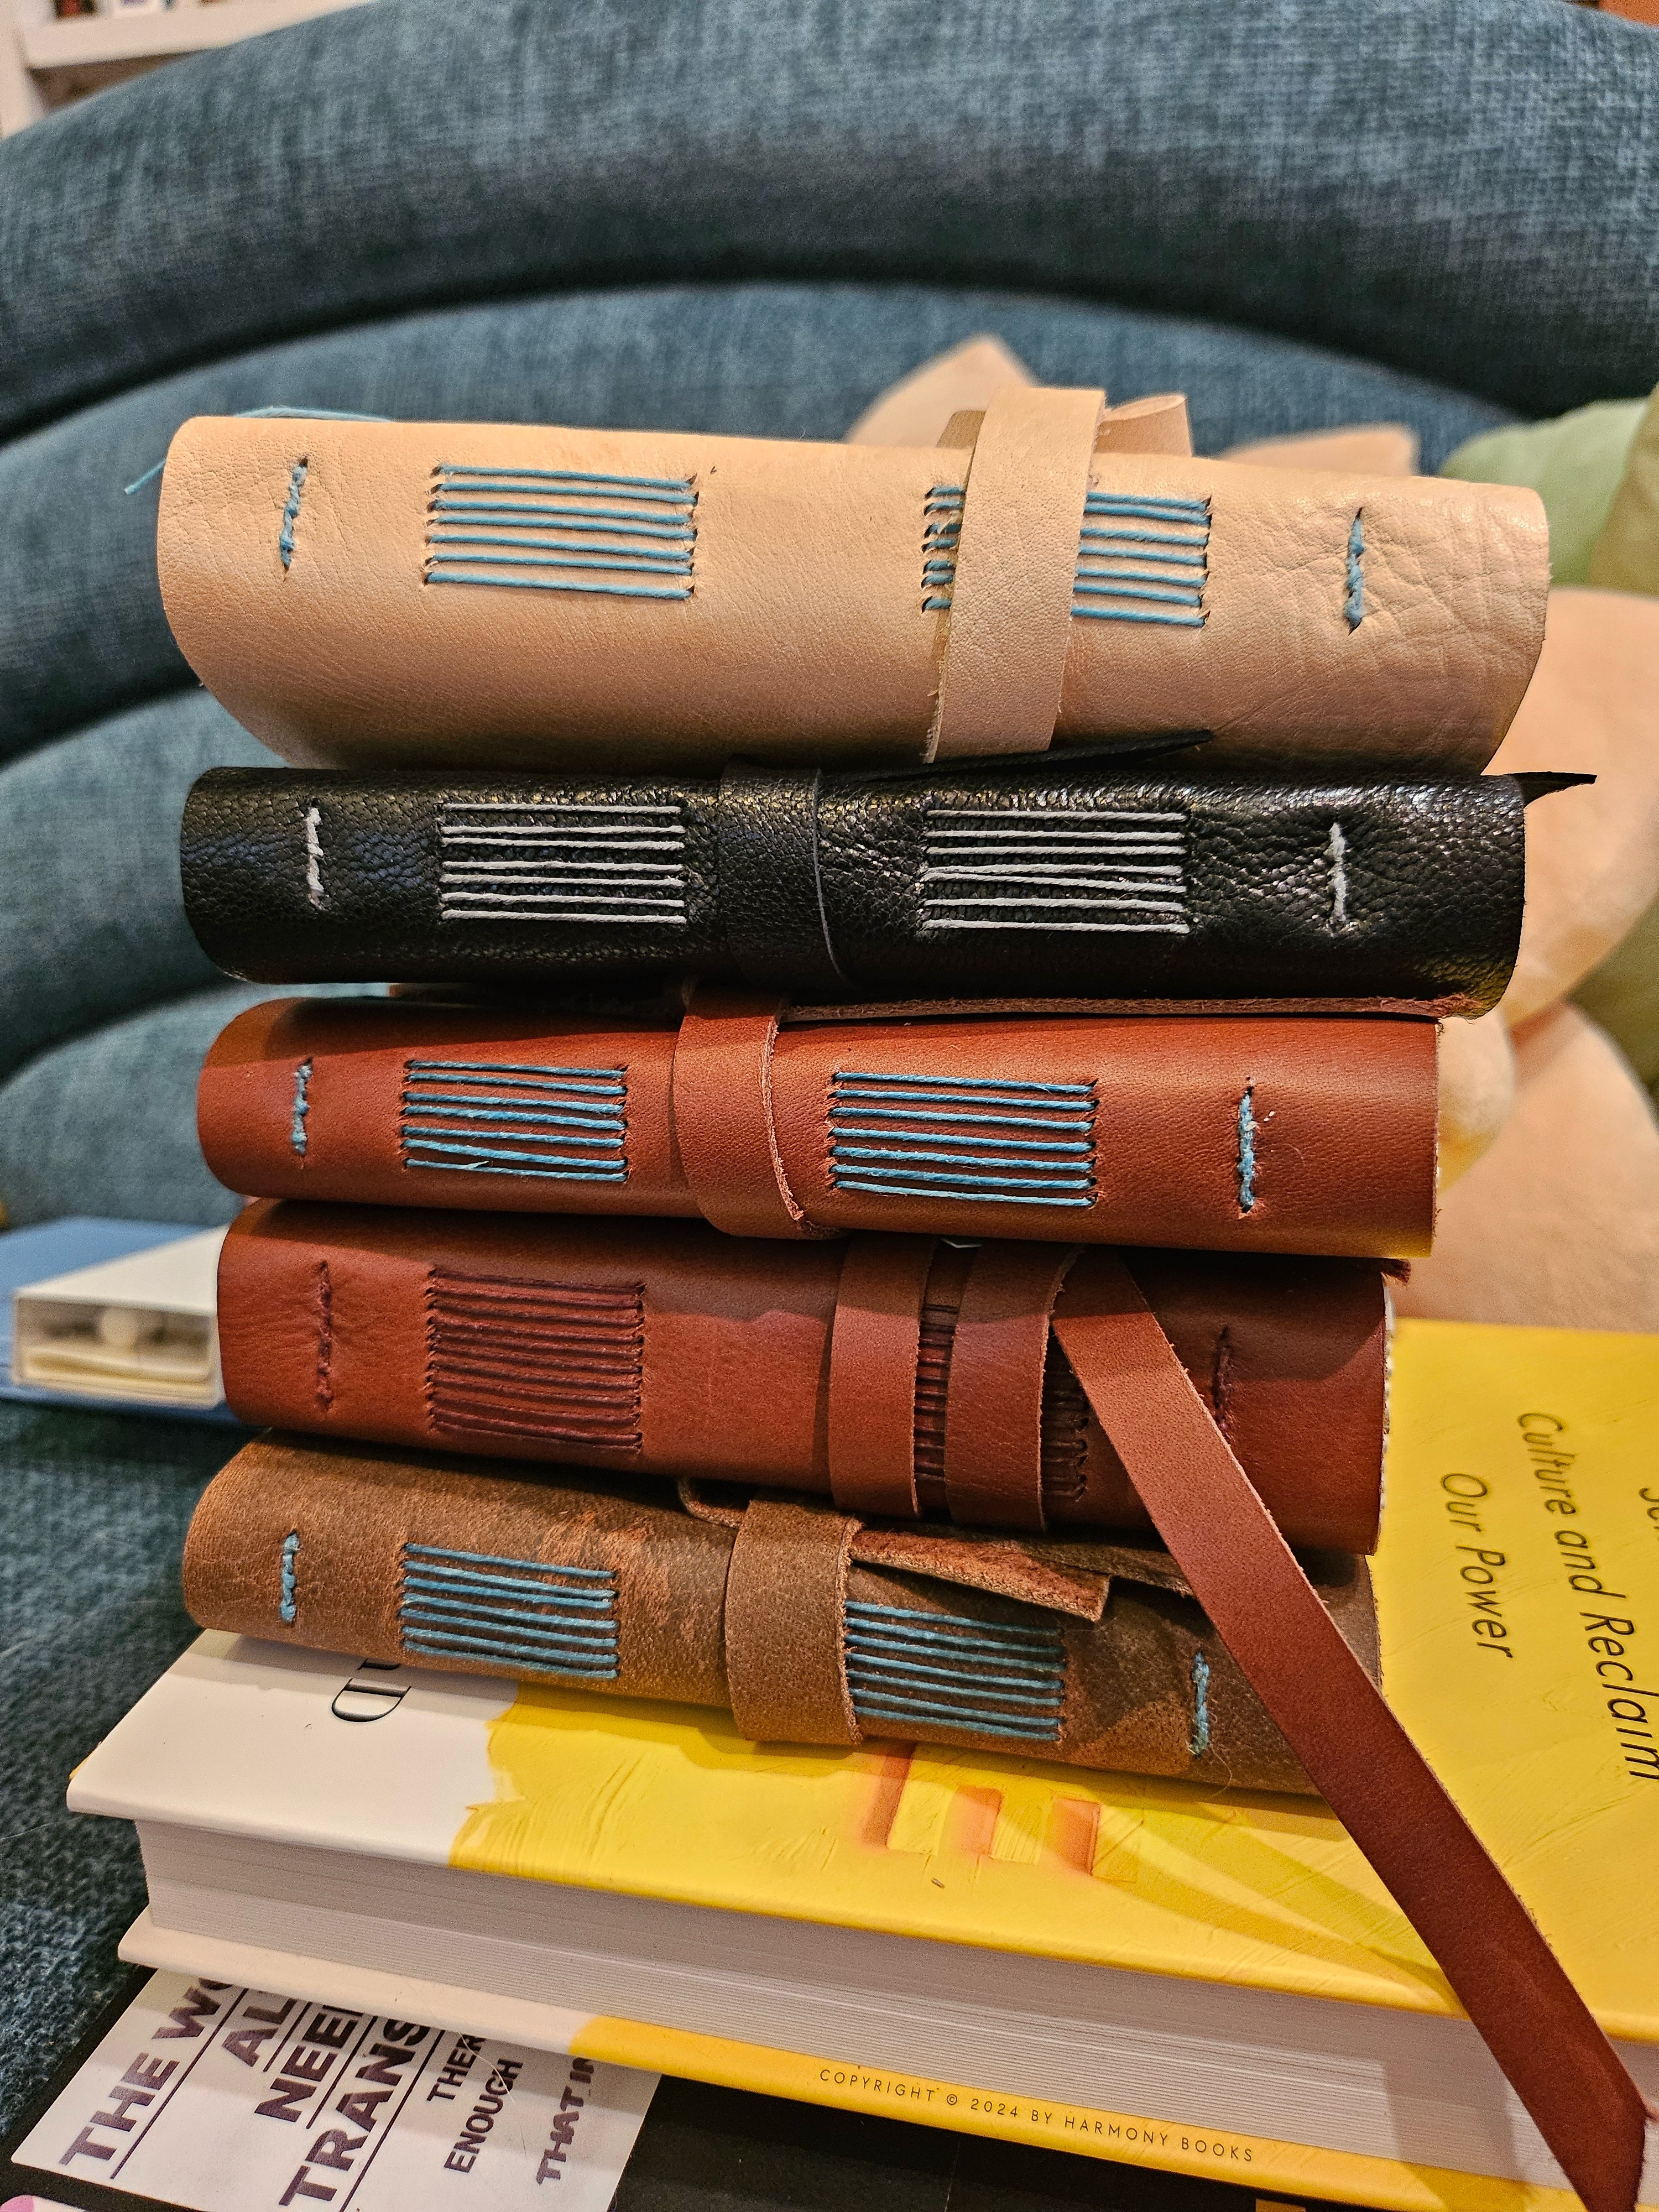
[786, 1624]
[771, 894]
[874, 1342]
[1354, 1750]
[993, 1387]
[722, 1100]
[1016, 561]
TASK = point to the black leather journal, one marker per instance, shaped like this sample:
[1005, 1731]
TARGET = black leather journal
[1075, 880]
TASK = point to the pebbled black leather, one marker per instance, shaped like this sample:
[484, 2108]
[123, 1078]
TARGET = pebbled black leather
[1045, 880]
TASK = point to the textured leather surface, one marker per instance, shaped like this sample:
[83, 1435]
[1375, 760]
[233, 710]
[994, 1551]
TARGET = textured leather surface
[1299, 1133]
[664, 1348]
[1129, 1655]
[1016, 553]
[1500, 1968]
[312, 583]
[1261, 890]
[786, 1623]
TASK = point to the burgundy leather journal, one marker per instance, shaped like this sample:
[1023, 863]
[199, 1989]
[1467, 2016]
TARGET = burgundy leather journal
[1300, 1133]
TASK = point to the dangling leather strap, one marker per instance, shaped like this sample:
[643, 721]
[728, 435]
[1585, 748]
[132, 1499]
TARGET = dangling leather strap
[722, 1100]
[874, 1340]
[786, 1624]
[1015, 560]
[993, 1387]
[1357, 1755]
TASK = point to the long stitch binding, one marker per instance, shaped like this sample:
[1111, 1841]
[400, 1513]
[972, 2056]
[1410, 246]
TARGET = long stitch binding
[1144, 550]
[561, 530]
[977, 1139]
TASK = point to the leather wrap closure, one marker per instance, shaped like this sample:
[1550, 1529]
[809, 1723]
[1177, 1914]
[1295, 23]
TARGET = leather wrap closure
[770, 880]
[993, 1397]
[1338, 1723]
[785, 1615]
[722, 1088]
[1011, 598]
[874, 1342]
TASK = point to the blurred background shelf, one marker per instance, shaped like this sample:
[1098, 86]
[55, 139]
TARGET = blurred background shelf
[46, 61]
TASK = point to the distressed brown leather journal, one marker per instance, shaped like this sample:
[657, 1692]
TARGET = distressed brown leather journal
[363, 594]
[1252, 1133]
[809, 1626]
[897, 1374]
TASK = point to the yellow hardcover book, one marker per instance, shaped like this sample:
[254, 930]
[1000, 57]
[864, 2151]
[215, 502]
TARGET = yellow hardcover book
[1124, 1968]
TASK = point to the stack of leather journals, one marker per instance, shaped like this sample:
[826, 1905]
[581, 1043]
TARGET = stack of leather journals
[918, 977]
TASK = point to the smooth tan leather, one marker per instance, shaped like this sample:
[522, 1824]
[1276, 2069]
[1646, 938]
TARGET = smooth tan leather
[918, 410]
[331, 1321]
[1157, 423]
[1500, 1968]
[915, 410]
[1374, 449]
[1592, 853]
[1557, 1226]
[1341, 1116]
[1006, 642]
[1130, 1634]
[806, 637]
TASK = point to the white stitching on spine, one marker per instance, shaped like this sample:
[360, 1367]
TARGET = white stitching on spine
[314, 856]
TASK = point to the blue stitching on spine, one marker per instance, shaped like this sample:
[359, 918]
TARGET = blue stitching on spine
[940, 540]
[904, 1135]
[950, 1671]
[461, 1605]
[296, 1135]
[587, 1107]
[554, 520]
[1200, 1742]
[1246, 1129]
[646, 485]
[1353, 606]
[288, 1605]
[1128, 614]
[549, 584]
[1114, 562]
[1128, 502]
[296, 484]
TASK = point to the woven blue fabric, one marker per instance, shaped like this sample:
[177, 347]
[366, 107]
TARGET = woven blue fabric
[82, 630]
[91, 917]
[93, 1511]
[1469, 189]
[107, 1123]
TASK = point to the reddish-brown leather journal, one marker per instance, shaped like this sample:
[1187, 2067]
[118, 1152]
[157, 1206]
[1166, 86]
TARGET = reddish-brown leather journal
[895, 1374]
[1252, 1133]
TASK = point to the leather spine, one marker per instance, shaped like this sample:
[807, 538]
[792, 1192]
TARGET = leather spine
[666, 1349]
[621, 1591]
[1297, 1134]
[1063, 879]
[538, 596]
